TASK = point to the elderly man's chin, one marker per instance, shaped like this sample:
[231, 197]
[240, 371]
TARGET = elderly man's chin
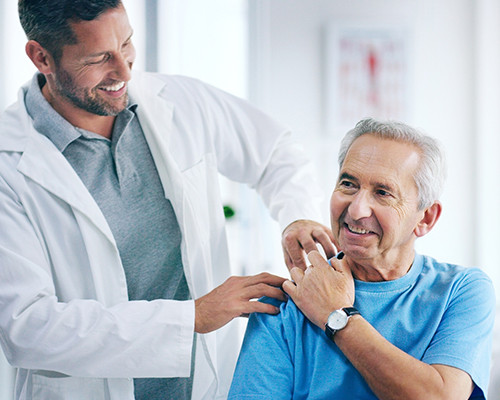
[359, 252]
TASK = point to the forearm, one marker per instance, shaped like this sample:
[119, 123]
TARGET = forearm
[393, 374]
[132, 339]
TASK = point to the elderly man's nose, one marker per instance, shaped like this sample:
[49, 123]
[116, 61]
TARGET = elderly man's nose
[360, 206]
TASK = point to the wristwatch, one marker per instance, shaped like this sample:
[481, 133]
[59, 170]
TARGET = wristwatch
[337, 320]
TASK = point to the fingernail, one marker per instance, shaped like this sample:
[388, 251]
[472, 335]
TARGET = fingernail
[340, 255]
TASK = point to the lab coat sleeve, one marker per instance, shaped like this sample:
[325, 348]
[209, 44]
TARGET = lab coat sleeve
[253, 148]
[288, 184]
[79, 337]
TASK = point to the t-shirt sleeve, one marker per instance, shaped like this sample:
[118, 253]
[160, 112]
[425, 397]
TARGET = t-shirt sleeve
[264, 369]
[463, 338]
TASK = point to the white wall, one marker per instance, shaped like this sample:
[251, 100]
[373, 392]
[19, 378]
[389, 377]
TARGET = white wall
[442, 81]
[15, 67]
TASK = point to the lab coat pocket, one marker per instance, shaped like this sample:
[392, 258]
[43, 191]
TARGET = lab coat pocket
[68, 388]
[202, 196]
[203, 225]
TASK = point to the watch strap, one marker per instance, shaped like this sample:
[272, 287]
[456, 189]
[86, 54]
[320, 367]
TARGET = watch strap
[350, 311]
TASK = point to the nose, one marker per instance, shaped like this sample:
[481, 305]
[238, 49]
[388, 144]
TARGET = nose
[122, 67]
[360, 206]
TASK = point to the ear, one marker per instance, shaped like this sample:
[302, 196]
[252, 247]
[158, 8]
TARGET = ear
[40, 57]
[429, 219]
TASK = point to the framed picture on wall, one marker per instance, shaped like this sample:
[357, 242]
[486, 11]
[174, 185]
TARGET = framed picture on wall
[367, 72]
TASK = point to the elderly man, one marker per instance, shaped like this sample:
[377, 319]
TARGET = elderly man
[114, 269]
[380, 321]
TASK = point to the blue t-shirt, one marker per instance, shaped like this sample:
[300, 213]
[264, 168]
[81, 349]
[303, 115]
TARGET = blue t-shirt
[438, 313]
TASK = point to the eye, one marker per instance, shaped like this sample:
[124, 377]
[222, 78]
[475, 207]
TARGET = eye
[100, 60]
[383, 193]
[346, 184]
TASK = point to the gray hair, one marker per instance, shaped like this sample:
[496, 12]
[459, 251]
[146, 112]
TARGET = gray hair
[431, 172]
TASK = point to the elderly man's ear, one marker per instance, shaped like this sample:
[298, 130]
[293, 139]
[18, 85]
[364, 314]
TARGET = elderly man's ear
[431, 215]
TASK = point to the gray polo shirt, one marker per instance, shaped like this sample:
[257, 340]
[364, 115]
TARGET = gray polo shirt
[121, 176]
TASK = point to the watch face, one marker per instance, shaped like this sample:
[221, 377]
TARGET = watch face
[337, 320]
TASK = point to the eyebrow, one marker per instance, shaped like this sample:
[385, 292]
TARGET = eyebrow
[384, 186]
[387, 187]
[345, 175]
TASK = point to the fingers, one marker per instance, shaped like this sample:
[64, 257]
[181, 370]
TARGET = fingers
[338, 263]
[325, 239]
[236, 297]
[263, 290]
[294, 254]
[297, 237]
[308, 243]
[317, 259]
[259, 307]
[261, 285]
[297, 274]
[289, 287]
[302, 237]
[288, 259]
[263, 277]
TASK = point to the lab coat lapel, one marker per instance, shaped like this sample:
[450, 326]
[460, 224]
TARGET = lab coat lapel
[53, 172]
[155, 115]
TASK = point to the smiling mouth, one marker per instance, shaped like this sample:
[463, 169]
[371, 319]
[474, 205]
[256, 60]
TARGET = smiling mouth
[356, 230]
[114, 88]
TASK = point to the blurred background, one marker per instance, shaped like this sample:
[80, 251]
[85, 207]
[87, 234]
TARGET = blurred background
[319, 66]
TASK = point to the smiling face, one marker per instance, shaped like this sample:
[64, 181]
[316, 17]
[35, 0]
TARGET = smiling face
[91, 76]
[374, 207]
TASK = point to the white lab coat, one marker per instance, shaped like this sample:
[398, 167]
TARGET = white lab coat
[65, 318]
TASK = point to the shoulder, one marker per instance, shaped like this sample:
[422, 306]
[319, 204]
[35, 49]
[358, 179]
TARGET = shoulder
[463, 337]
[184, 91]
[169, 85]
[453, 273]
[16, 126]
[469, 284]
[289, 318]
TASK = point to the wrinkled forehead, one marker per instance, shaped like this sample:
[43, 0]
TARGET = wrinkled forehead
[381, 159]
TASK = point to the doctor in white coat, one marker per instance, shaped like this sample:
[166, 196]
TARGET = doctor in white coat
[66, 321]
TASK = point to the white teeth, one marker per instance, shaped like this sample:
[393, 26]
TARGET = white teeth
[357, 230]
[114, 88]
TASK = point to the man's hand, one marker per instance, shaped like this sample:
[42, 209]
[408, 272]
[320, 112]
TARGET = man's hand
[322, 288]
[302, 237]
[234, 299]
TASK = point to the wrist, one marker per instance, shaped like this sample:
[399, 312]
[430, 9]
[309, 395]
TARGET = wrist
[338, 320]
